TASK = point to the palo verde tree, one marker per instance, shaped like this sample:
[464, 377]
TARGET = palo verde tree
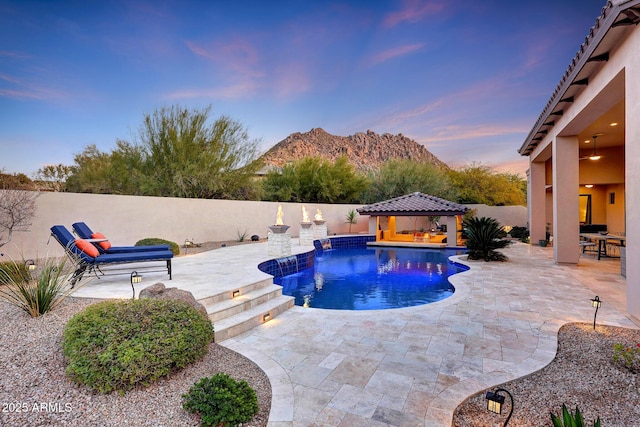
[177, 152]
[54, 176]
[185, 156]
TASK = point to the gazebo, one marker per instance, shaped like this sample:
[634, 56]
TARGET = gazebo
[395, 221]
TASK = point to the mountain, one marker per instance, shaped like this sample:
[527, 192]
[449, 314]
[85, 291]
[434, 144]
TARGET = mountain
[366, 151]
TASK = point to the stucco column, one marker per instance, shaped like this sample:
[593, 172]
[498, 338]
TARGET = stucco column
[536, 201]
[566, 203]
[452, 230]
[632, 178]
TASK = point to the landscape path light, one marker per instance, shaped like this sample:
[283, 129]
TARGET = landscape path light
[135, 278]
[595, 302]
[495, 401]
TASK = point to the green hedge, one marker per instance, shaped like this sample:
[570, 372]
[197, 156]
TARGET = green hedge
[119, 345]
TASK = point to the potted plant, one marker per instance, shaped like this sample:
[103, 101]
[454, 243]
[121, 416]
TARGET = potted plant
[547, 233]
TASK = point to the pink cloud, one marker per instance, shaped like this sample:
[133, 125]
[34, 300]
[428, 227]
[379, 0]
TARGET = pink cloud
[26, 90]
[394, 53]
[457, 133]
[239, 55]
[413, 11]
[240, 90]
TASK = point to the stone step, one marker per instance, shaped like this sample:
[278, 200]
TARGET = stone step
[228, 295]
[248, 319]
[245, 301]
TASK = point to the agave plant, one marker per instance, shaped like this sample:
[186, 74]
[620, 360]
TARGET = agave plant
[484, 236]
[570, 420]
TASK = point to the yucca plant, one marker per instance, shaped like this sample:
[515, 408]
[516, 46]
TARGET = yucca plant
[484, 237]
[570, 420]
[38, 291]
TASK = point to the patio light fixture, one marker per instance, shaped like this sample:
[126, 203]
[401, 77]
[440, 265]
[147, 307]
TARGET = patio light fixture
[495, 401]
[595, 302]
[266, 317]
[30, 264]
[235, 293]
[135, 278]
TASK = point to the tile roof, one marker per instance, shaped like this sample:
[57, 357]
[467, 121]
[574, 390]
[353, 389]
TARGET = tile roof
[414, 204]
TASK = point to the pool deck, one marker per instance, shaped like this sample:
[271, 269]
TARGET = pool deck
[409, 366]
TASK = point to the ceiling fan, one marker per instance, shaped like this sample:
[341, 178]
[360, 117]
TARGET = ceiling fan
[594, 155]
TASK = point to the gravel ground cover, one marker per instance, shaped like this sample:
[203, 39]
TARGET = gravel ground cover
[34, 390]
[583, 373]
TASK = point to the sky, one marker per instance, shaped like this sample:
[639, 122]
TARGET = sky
[465, 78]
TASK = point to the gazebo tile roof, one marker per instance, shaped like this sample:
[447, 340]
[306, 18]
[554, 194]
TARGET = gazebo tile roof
[414, 204]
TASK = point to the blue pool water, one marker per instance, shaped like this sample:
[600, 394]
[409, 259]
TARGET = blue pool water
[372, 279]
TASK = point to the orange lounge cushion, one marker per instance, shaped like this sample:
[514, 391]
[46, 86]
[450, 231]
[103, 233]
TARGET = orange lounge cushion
[87, 247]
[104, 245]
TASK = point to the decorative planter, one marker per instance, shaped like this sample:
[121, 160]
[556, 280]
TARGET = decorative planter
[279, 229]
[543, 243]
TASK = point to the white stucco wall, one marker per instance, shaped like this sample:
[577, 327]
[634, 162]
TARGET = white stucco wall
[127, 219]
[505, 215]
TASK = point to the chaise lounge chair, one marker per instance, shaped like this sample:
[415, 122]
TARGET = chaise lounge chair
[86, 256]
[104, 246]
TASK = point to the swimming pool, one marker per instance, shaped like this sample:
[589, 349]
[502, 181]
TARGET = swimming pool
[373, 279]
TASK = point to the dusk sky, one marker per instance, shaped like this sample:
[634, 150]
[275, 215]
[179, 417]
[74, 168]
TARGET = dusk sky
[465, 78]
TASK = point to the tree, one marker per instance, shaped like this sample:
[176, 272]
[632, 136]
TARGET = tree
[477, 183]
[315, 180]
[351, 218]
[183, 156]
[176, 153]
[400, 177]
[54, 176]
[17, 209]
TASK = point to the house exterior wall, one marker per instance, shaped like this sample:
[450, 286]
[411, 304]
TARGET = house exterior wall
[623, 65]
[632, 171]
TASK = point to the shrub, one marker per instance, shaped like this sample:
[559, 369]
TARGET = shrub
[12, 272]
[157, 241]
[629, 356]
[39, 291]
[241, 235]
[118, 345]
[483, 238]
[518, 232]
[570, 420]
[221, 401]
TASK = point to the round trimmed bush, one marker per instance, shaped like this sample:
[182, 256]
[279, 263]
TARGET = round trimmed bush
[119, 345]
[221, 401]
[157, 241]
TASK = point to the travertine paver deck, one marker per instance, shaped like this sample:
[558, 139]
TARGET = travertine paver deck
[413, 366]
[410, 366]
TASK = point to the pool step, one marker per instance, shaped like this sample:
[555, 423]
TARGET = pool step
[232, 316]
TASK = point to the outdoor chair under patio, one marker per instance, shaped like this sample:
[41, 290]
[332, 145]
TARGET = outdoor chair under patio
[104, 246]
[86, 257]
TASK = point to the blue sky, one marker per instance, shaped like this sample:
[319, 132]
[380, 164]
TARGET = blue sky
[465, 78]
